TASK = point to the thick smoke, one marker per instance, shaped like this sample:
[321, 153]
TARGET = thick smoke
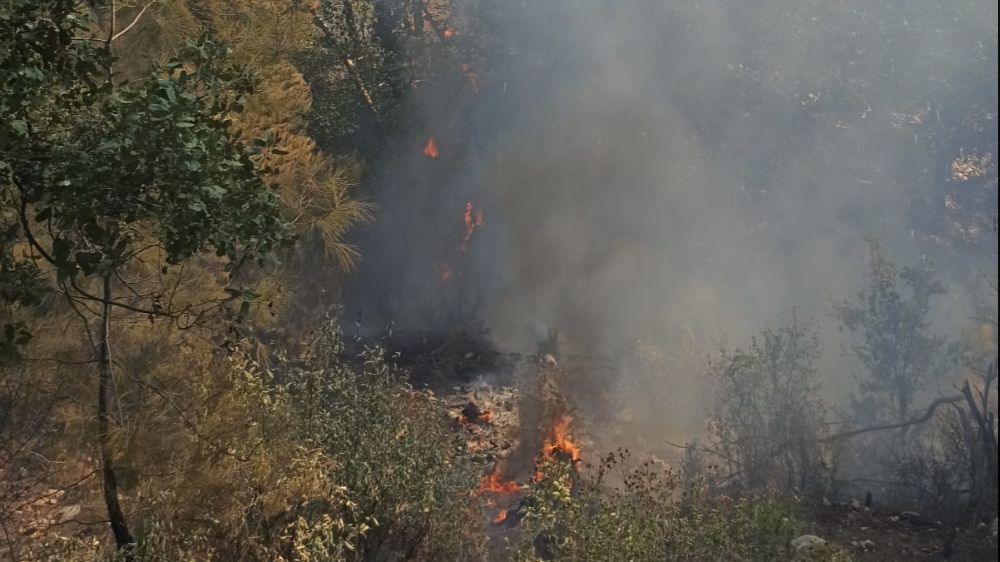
[680, 170]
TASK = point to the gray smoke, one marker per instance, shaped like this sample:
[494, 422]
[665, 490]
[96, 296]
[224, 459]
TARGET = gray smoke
[683, 170]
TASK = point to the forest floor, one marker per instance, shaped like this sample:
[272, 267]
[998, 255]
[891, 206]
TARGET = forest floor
[872, 536]
[487, 405]
[499, 405]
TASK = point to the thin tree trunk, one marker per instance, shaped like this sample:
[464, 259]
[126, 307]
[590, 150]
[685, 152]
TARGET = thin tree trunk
[345, 57]
[123, 538]
[417, 15]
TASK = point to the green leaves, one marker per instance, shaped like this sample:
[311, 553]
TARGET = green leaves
[160, 155]
[95, 166]
[891, 334]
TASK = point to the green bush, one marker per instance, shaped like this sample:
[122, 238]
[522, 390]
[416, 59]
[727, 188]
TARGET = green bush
[768, 421]
[646, 516]
[392, 451]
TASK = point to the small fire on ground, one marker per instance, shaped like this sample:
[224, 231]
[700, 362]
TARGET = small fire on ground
[558, 445]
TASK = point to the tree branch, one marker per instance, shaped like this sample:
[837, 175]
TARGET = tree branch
[347, 62]
[134, 21]
[928, 413]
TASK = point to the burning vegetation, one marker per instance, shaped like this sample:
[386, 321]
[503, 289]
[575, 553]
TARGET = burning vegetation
[559, 444]
[199, 199]
[473, 220]
[493, 483]
[431, 148]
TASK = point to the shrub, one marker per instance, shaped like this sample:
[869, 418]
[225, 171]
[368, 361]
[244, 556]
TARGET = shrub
[393, 453]
[767, 421]
[647, 516]
[890, 327]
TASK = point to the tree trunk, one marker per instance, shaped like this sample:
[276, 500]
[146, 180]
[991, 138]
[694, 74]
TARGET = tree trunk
[417, 15]
[123, 538]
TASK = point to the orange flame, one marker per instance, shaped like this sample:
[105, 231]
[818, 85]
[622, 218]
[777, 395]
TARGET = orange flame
[494, 483]
[431, 148]
[501, 515]
[560, 442]
[473, 219]
[448, 33]
[558, 445]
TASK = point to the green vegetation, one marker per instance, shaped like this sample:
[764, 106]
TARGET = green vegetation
[648, 515]
[892, 336]
[179, 180]
[767, 423]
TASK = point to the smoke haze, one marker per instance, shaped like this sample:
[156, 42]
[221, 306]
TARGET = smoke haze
[682, 171]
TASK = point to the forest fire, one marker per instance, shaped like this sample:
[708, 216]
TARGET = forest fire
[431, 148]
[473, 219]
[494, 483]
[500, 517]
[560, 444]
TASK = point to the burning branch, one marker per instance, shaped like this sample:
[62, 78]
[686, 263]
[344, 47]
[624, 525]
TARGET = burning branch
[473, 219]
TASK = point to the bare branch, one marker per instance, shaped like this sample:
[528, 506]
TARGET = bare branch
[928, 413]
[131, 25]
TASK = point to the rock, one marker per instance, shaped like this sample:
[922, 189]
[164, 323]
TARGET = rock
[915, 518]
[69, 512]
[807, 543]
[865, 545]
